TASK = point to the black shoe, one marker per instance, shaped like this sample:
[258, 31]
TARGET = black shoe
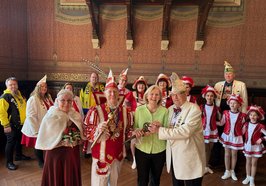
[22, 157]
[11, 166]
[87, 156]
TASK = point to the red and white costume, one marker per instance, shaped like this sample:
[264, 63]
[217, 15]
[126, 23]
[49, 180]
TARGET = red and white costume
[253, 132]
[232, 135]
[192, 99]
[107, 153]
[130, 101]
[209, 118]
[166, 99]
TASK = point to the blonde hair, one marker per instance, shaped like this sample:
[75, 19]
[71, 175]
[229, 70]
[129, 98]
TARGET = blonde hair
[148, 91]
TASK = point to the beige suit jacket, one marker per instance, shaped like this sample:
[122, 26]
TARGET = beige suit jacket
[185, 143]
[239, 88]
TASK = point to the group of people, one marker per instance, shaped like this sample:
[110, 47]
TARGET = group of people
[163, 122]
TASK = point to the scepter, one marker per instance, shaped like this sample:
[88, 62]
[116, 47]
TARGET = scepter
[110, 117]
[144, 129]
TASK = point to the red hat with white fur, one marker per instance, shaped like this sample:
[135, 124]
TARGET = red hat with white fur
[208, 88]
[258, 110]
[236, 98]
[188, 80]
[138, 80]
[110, 81]
[165, 78]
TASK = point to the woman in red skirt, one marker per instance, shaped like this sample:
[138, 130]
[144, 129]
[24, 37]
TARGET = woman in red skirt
[37, 106]
[60, 135]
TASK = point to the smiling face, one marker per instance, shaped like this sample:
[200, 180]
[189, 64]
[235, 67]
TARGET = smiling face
[111, 95]
[179, 98]
[209, 97]
[229, 76]
[253, 116]
[65, 102]
[141, 87]
[162, 84]
[94, 78]
[154, 96]
[12, 85]
[43, 88]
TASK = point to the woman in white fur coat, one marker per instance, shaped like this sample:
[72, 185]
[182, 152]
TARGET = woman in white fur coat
[60, 135]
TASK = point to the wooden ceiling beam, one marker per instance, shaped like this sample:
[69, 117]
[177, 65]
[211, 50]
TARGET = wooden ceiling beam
[130, 27]
[165, 27]
[93, 8]
[204, 8]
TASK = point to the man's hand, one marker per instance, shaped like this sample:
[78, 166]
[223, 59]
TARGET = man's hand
[7, 130]
[103, 129]
[138, 133]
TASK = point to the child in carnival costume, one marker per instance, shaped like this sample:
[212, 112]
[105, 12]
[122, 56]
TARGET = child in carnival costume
[255, 133]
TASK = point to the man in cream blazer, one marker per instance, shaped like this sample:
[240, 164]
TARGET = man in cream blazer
[185, 150]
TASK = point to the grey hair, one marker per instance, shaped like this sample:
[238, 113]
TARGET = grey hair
[11, 79]
[62, 92]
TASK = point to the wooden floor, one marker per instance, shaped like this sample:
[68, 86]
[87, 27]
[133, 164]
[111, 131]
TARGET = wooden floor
[29, 174]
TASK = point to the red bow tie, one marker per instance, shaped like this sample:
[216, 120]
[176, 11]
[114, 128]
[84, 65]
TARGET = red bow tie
[177, 110]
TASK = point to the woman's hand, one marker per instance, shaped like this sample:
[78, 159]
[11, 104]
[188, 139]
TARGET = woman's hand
[154, 127]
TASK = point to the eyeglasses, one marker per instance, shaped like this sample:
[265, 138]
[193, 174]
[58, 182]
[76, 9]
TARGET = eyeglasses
[66, 101]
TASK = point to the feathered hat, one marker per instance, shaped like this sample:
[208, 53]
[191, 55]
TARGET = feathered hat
[110, 81]
[188, 80]
[43, 80]
[178, 85]
[206, 89]
[235, 97]
[258, 110]
[123, 74]
[228, 67]
[163, 77]
[138, 80]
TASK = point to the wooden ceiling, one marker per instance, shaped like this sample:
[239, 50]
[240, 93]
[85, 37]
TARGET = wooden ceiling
[203, 7]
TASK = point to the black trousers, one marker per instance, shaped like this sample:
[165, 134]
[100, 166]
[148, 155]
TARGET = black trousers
[193, 182]
[149, 166]
[13, 140]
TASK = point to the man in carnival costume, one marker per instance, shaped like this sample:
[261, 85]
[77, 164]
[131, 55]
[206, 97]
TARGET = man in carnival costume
[130, 101]
[107, 126]
[224, 89]
[88, 101]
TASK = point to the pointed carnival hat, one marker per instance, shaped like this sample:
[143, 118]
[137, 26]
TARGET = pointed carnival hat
[163, 77]
[110, 81]
[140, 79]
[43, 80]
[188, 80]
[178, 85]
[123, 74]
[228, 67]
[258, 110]
[206, 89]
[235, 97]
